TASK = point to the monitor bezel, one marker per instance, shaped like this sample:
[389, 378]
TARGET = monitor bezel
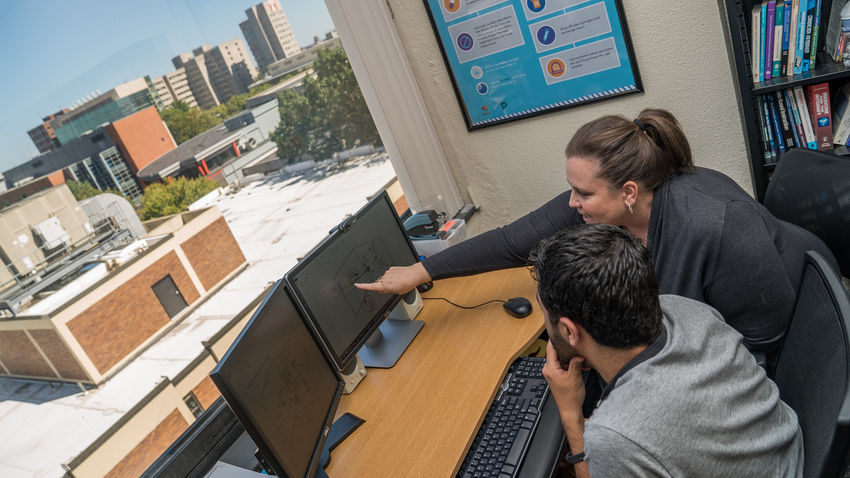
[344, 358]
[245, 419]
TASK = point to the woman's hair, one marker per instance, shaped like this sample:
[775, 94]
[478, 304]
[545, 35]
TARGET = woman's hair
[649, 150]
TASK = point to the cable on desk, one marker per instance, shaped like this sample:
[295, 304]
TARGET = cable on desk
[464, 306]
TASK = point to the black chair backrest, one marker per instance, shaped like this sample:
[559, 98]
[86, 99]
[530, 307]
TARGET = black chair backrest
[812, 189]
[813, 371]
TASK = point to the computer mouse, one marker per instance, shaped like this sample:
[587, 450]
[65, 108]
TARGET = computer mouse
[519, 307]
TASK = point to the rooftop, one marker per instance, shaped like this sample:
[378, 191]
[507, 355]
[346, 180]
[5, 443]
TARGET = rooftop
[275, 221]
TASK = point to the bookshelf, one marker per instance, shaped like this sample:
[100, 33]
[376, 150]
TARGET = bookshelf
[738, 29]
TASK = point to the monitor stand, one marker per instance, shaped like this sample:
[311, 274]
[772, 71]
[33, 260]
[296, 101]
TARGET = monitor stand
[340, 429]
[385, 346]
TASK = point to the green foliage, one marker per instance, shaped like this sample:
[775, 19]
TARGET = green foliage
[166, 199]
[186, 122]
[84, 189]
[329, 116]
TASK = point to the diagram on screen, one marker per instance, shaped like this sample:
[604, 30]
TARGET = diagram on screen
[365, 263]
[273, 378]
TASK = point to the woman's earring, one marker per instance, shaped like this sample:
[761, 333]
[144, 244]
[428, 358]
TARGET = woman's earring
[631, 211]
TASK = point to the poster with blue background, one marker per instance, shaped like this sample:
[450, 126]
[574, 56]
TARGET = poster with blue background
[518, 58]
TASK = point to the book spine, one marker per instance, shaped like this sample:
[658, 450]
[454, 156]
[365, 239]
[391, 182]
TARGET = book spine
[801, 37]
[800, 97]
[765, 141]
[833, 40]
[807, 45]
[841, 115]
[786, 34]
[798, 122]
[815, 30]
[765, 113]
[768, 39]
[755, 35]
[818, 98]
[777, 124]
[762, 38]
[798, 142]
[792, 36]
[787, 131]
[777, 39]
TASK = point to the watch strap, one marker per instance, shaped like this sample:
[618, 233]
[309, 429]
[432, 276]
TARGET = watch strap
[577, 458]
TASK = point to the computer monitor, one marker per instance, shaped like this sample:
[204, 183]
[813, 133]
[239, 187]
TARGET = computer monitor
[344, 317]
[281, 387]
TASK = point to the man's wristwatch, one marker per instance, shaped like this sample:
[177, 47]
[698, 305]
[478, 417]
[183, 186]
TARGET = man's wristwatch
[573, 459]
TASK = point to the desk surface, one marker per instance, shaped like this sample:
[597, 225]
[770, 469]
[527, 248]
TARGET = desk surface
[422, 414]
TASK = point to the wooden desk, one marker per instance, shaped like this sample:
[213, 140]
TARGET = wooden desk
[422, 414]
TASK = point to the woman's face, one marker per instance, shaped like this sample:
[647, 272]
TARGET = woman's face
[592, 196]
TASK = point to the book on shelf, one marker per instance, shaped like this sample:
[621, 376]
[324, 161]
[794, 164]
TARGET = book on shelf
[801, 36]
[785, 121]
[841, 115]
[755, 51]
[815, 30]
[800, 137]
[792, 35]
[800, 98]
[779, 20]
[817, 97]
[779, 138]
[795, 131]
[833, 41]
[807, 45]
[770, 151]
[768, 39]
[786, 33]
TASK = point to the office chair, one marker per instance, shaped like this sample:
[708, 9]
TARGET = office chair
[812, 189]
[813, 371]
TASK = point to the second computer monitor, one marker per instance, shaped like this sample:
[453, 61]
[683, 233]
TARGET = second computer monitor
[281, 386]
[358, 251]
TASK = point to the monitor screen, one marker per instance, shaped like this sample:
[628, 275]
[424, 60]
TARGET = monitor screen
[360, 250]
[281, 386]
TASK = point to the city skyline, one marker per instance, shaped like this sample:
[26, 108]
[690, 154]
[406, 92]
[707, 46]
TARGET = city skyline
[67, 51]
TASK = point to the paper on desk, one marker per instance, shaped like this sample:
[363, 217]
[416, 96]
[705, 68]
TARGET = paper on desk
[226, 470]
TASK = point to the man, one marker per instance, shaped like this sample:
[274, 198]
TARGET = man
[683, 396]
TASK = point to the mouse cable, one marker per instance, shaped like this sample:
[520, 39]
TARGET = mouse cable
[464, 306]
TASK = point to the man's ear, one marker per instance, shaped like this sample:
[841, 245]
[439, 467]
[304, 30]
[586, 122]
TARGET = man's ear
[570, 330]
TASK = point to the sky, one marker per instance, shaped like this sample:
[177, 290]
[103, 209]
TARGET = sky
[56, 52]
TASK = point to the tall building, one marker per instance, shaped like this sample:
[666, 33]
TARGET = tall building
[107, 157]
[121, 101]
[215, 74]
[268, 34]
[172, 87]
[43, 136]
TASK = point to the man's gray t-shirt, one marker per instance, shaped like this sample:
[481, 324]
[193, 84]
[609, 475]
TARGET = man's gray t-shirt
[694, 403]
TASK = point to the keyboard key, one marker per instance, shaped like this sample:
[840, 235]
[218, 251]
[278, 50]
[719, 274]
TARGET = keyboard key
[516, 450]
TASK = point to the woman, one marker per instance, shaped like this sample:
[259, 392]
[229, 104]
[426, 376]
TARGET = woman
[709, 240]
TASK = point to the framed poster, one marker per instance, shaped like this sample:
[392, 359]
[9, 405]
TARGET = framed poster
[511, 59]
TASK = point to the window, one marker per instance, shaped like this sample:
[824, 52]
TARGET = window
[194, 405]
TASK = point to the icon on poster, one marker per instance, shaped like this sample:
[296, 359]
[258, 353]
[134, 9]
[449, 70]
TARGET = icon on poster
[485, 110]
[503, 105]
[546, 35]
[464, 41]
[476, 72]
[555, 67]
[451, 6]
[536, 5]
[482, 88]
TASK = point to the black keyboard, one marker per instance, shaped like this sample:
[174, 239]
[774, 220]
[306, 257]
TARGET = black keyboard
[502, 440]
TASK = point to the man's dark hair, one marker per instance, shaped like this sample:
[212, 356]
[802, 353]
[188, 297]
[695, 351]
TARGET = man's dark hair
[600, 277]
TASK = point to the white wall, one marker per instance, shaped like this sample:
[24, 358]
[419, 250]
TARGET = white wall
[682, 56]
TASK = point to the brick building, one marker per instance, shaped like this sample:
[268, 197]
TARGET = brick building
[87, 330]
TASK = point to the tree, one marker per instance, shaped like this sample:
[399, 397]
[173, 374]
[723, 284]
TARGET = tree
[185, 122]
[165, 199]
[329, 114]
[84, 189]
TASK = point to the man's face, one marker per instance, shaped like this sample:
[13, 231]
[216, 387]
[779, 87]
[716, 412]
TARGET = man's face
[561, 344]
